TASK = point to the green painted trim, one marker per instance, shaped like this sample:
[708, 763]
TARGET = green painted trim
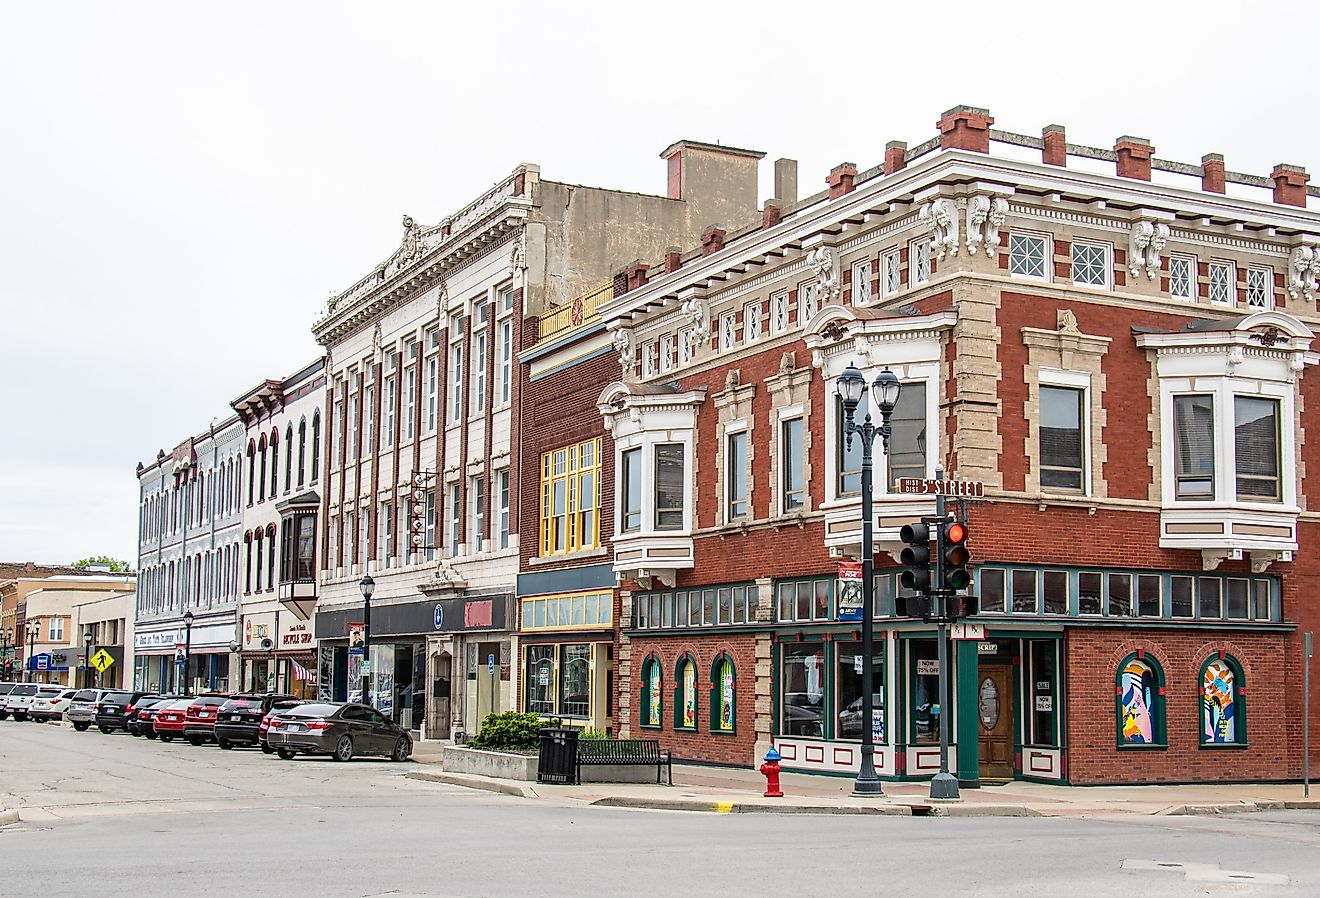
[716, 700]
[647, 662]
[967, 667]
[1239, 704]
[679, 698]
[1157, 719]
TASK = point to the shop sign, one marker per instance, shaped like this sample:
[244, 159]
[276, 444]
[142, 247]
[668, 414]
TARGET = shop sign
[849, 606]
[1044, 703]
[967, 631]
[297, 635]
[928, 667]
[439, 616]
[543, 676]
[987, 648]
[878, 725]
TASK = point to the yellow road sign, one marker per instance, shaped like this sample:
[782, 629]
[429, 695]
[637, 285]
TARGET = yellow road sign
[102, 660]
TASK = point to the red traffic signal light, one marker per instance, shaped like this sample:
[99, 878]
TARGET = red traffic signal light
[955, 556]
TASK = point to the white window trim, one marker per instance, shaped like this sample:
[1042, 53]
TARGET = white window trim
[779, 301]
[914, 278]
[737, 426]
[808, 304]
[788, 413]
[651, 428]
[897, 254]
[1268, 274]
[862, 271]
[1107, 264]
[1076, 380]
[1048, 275]
[1232, 282]
[728, 331]
[751, 322]
[1191, 277]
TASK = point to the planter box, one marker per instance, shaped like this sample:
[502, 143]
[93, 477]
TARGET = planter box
[508, 766]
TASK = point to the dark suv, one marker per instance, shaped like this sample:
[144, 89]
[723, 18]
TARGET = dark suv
[237, 721]
[112, 710]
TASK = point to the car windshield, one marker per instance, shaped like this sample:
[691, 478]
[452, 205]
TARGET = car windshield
[25, 689]
[310, 710]
[48, 692]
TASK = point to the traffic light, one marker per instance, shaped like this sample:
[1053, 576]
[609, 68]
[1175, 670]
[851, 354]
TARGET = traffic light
[915, 558]
[953, 545]
[912, 606]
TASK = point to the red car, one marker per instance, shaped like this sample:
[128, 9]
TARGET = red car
[264, 727]
[169, 719]
[199, 718]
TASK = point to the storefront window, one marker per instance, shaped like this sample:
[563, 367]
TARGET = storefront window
[848, 666]
[651, 692]
[685, 702]
[1223, 718]
[540, 679]
[721, 695]
[1041, 689]
[1140, 702]
[802, 689]
[575, 680]
[925, 691]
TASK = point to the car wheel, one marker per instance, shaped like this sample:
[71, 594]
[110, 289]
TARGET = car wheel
[81, 727]
[285, 754]
[20, 715]
[167, 739]
[344, 749]
[150, 735]
[402, 749]
[266, 749]
[4, 715]
[193, 740]
[106, 730]
[225, 744]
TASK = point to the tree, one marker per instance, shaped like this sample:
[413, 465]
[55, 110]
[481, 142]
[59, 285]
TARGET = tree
[116, 566]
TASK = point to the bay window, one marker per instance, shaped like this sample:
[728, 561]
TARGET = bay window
[1194, 446]
[1256, 445]
[669, 486]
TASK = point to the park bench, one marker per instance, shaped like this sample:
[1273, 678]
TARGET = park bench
[624, 752]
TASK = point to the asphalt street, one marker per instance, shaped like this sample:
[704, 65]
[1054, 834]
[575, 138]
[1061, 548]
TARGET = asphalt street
[113, 815]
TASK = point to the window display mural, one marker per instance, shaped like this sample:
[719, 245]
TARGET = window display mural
[1219, 719]
[1139, 686]
[651, 692]
[722, 695]
[688, 699]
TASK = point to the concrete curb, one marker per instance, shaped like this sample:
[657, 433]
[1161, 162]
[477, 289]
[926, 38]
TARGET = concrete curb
[473, 782]
[734, 807]
[8, 817]
[1213, 810]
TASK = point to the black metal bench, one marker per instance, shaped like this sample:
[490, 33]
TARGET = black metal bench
[624, 752]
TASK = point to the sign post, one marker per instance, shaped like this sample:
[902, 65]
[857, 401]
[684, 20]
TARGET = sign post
[1306, 714]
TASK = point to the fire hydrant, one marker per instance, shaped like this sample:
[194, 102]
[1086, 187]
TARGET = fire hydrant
[770, 770]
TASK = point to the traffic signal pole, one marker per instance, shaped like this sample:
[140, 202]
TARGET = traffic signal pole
[945, 784]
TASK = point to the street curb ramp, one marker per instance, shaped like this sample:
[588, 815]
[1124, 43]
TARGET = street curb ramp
[8, 816]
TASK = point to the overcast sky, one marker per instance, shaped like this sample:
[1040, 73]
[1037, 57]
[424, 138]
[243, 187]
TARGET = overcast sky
[183, 184]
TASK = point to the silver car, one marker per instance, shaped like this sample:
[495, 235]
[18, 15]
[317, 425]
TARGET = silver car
[19, 701]
[82, 709]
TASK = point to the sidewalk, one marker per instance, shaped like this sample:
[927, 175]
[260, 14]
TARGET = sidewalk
[732, 790]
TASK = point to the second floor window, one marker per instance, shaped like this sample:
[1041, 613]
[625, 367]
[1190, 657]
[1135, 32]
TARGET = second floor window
[735, 476]
[907, 445]
[1090, 264]
[570, 490]
[1256, 445]
[1061, 438]
[891, 272]
[409, 401]
[432, 391]
[849, 458]
[1260, 292]
[669, 482]
[791, 464]
[920, 262]
[1182, 277]
[1221, 283]
[506, 360]
[503, 483]
[477, 490]
[56, 629]
[391, 397]
[631, 483]
[1027, 256]
[1194, 446]
[751, 322]
[455, 518]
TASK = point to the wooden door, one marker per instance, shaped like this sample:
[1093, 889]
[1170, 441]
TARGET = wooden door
[994, 711]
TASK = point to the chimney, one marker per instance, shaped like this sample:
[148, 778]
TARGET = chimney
[786, 181]
[895, 156]
[712, 240]
[771, 215]
[1055, 150]
[1212, 173]
[1290, 184]
[636, 274]
[841, 179]
[673, 259]
[1134, 157]
[965, 128]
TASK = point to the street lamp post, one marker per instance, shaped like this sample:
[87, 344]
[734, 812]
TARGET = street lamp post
[368, 586]
[87, 659]
[851, 388]
[6, 637]
[33, 626]
[187, 649]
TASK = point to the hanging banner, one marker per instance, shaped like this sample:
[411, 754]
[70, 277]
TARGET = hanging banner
[357, 638]
[849, 604]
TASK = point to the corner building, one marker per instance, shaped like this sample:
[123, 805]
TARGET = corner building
[425, 415]
[1118, 346]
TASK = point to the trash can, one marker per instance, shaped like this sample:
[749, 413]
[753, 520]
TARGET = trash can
[558, 760]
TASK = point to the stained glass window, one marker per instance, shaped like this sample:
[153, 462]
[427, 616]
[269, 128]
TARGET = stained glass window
[685, 702]
[1140, 702]
[651, 693]
[722, 695]
[1222, 720]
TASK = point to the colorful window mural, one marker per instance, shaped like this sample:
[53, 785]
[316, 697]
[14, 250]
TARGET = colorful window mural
[1221, 720]
[651, 693]
[721, 695]
[685, 702]
[1140, 710]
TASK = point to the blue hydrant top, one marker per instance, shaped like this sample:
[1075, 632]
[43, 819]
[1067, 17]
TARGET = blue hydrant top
[772, 754]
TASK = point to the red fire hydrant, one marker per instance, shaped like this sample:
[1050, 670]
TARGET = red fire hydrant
[770, 770]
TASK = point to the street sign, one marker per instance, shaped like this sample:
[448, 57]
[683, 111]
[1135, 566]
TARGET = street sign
[490, 664]
[102, 660]
[439, 616]
[925, 486]
[366, 668]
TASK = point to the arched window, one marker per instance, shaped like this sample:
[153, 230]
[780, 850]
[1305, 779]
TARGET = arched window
[257, 552]
[288, 458]
[316, 445]
[274, 463]
[1223, 702]
[1140, 702]
[722, 705]
[302, 452]
[651, 685]
[270, 556]
[685, 694]
[201, 497]
[247, 570]
[252, 469]
[261, 480]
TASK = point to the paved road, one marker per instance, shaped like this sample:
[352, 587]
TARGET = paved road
[112, 815]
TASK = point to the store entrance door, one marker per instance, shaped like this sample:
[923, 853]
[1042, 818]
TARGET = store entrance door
[994, 710]
[488, 680]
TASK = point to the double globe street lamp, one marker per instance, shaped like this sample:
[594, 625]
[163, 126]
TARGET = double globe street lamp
[87, 659]
[33, 627]
[851, 388]
[187, 650]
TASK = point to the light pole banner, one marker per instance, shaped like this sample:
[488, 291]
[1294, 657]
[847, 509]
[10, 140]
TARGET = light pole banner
[849, 603]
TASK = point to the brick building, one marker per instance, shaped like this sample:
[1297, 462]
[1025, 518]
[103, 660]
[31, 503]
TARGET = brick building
[1117, 345]
[425, 411]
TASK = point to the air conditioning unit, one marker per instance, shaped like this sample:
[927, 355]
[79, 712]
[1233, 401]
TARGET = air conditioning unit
[267, 644]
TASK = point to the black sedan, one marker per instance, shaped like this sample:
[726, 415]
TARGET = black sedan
[341, 731]
[238, 720]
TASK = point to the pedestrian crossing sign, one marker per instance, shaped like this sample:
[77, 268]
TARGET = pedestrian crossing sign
[102, 660]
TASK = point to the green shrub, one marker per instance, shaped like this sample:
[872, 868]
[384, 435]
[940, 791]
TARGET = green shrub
[510, 731]
[589, 733]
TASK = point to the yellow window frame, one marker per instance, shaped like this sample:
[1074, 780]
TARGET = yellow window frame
[565, 472]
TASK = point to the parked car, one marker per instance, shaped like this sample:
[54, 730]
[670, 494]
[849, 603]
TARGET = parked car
[51, 702]
[168, 720]
[19, 700]
[199, 718]
[5, 689]
[264, 729]
[82, 709]
[340, 731]
[238, 721]
[140, 714]
[112, 709]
